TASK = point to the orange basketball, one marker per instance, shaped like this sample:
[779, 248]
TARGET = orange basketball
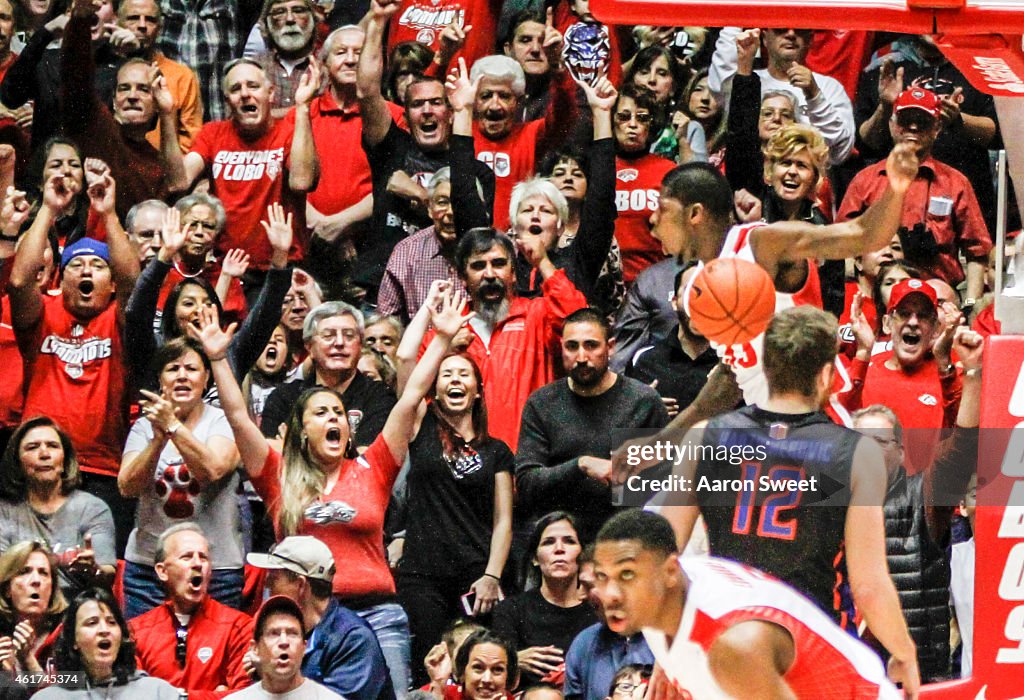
[731, 301]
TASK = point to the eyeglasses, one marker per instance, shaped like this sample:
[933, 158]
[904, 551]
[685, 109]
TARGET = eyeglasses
[641, 117]
[347, 335]
[627, 687]
[180, 649]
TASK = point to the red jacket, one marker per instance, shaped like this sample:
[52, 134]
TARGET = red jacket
[218, 637]
[522, 355]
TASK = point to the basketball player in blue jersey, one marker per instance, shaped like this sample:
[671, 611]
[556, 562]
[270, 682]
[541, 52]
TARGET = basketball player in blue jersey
[805, 488]
[694, 222]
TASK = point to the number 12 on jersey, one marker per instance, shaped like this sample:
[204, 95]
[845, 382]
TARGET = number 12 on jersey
[773, 505]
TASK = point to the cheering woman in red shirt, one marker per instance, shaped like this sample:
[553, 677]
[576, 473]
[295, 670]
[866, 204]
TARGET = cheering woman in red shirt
[318, 486]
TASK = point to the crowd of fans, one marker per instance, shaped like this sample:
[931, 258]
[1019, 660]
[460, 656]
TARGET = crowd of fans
[356, 303]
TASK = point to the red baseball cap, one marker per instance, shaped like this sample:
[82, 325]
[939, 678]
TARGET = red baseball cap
[905, 288]
[918, 98]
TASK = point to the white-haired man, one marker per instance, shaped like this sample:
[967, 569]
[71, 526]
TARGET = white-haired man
[511, 147]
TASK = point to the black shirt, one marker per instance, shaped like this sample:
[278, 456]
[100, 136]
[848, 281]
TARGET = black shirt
[793, 535]
[393, 218]
[679, 376]
[451, 505]
[368, 404]
[560, 426]
[531, 621]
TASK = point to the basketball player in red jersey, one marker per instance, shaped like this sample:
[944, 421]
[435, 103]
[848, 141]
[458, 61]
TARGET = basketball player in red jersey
[721, 630]
[694, 222]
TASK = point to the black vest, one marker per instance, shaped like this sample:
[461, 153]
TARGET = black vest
[920, 570]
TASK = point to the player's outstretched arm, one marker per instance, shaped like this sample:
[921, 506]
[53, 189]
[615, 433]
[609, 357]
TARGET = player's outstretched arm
[795, 241]
[750, 659]
[680, 507]
[873, 591]
[721, 393]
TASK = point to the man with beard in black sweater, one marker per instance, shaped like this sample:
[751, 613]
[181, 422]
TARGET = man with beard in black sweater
[569, 427]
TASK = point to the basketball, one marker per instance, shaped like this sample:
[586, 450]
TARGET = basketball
[731, 301]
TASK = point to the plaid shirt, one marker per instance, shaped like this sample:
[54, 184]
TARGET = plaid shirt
[414, 263]
[204, 35]
[285, 83]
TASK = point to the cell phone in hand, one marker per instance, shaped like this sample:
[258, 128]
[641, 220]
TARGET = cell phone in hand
[468, 601]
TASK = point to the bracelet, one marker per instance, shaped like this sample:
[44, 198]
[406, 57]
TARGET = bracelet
[171, 430]
[496, 578]
[973, 372]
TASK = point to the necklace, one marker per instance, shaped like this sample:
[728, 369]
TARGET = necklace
[186, 275]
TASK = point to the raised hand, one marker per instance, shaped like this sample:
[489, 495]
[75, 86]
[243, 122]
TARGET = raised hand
[14, 212]
[122, 40]
[101, 187]
[950, 105]
[943, 345]
[438, 663]
[533, 249]
[453, 38]
[436, 292]
[862, 331]
[890, 83]
[748, 207]
[278, 227]
[161, 95]
[601, 96]
[236, 262]
[901, 167]
[84, 562]
[747, 43]
[382, 10]
[553, 40]
[969, 346]
[802, 77]
[309, 83]
[214, 339]
[450, 316]
[461, 91]
[680, 122]
[172, 237]
[58, 193]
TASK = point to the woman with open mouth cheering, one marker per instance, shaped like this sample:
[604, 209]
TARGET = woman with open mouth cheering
[320, 486]
[179, 461]
[95, 656]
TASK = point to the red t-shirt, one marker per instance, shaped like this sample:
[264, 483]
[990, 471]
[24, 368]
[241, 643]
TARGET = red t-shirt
[424, 20]
[349, 519]
[512, 159]
[637, 186]
[248, 176]
[12, 396]
[77, 378]
[841, 54]
[921, 402]
[985, 322]
[345, 175]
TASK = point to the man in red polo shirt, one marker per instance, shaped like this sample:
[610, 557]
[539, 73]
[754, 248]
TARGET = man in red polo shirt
[344, 195]
[941, 216]
[252, 159]
[512, 148]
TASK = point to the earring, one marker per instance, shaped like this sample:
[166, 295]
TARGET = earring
[303, 440]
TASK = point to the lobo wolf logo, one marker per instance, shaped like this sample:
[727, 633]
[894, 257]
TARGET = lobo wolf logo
[587, 50]
[330, 512]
